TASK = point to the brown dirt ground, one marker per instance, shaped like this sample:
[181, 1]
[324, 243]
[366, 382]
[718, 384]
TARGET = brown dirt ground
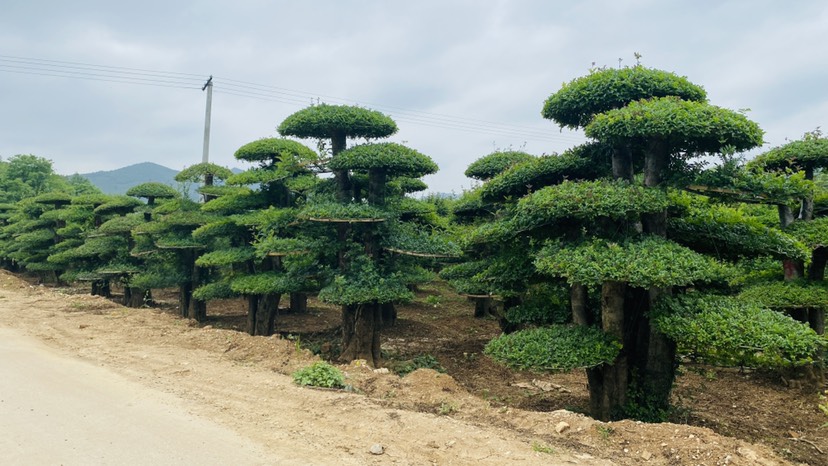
[477, 413]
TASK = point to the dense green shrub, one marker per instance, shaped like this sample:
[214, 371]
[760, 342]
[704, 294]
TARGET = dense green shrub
[731, 331]
[555, 348]
[320, 374]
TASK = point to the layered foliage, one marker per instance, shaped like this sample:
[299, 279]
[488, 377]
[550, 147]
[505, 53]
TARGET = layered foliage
[602, 90]
[487, 167]
[694, 127]
[645, 262]
[324, 121]
[554, 348]
[731, 331]
[395, 159]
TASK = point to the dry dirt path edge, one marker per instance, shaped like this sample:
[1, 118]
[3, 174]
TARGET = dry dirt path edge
[242, 382]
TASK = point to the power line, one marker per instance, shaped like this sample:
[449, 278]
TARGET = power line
[274, 89]
[89, 78]
[238, 88]
[90, 65]
[401, 117]
[416, 117]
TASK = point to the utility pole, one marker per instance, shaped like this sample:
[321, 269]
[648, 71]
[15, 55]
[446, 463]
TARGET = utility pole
[205, 157]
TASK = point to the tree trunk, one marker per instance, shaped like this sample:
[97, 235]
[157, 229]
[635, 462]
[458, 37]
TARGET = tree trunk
[786, 216]
[655, 165]
[816, 319]
[197, 309]
[377, 179]
[622, 164]
[252, 310]
[656, 159]
[185, 294]
[343, 183]
[806, 212]
[136, 297]
[819, 257]
[578, 304]
[361, 333]
[298, 303]
[208, 181]
[505, 325]
[656, 380]
[660, 367]
[388, 314]
[482, 307]
[793, 269]
[101, 288]
[608, 383]
[268, 306]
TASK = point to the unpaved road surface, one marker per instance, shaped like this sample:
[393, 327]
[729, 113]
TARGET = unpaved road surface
[107, 380]
[59, 410]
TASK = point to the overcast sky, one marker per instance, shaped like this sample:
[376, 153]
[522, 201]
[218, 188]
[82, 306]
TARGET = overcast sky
[461, 78]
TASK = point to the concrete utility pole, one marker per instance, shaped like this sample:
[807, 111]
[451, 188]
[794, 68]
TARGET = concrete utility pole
[205, 157]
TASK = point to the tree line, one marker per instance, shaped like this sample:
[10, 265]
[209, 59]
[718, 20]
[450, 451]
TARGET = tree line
[620, 256]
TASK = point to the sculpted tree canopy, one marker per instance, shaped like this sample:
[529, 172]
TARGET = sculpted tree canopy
[269, 151]
[394, 159]
[588, 161]
[577, 102]
[491, 165]
[683, 126]
[152, 191]
[198, 171]
[337, 122]
[806, 154]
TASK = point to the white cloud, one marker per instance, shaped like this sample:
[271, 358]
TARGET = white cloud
[494, 61]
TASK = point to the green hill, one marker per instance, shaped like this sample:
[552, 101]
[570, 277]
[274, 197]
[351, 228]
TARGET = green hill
[120, 180]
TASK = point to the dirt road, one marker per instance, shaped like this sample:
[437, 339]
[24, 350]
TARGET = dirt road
[220, 392]
[60, 410]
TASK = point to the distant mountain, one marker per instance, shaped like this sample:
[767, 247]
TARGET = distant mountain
[118, 181]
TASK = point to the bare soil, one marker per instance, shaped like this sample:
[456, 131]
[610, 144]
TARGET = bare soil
[477, 412]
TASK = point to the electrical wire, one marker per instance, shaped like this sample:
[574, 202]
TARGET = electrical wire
[263, 92]
[398, 110]
[413, 119]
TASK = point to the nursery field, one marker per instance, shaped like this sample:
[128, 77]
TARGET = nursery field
[453, 406]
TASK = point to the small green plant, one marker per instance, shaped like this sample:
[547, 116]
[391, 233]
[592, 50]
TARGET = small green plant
[542, 448]
[604, 431]
[320, 374]
[446, 408]
[433, 300]
[423, 361]
[823, 405]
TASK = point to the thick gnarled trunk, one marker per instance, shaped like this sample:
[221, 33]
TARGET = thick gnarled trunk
[578, 304]
[101, 288]
[483, 306]
[261, 314]
[361, 333]
[608, 383]
[298, 303]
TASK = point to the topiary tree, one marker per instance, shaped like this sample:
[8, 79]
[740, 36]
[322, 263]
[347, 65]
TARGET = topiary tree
[152, 191]
[489, 166]
[477, 282]
[784, 177]
[33, 233]
[138, 293]
[613, 236]
[256, 238]
[203, 172]
[375, 246]
[80, 251]
[337, 124]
